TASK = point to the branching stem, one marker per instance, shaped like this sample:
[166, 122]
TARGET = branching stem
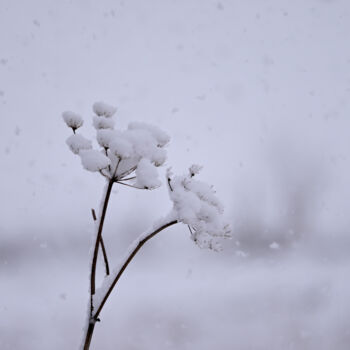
[98, 239]
[104, 252]
[132, 254]
[127, 261]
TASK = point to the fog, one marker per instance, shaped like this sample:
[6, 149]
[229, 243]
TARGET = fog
[255, 91]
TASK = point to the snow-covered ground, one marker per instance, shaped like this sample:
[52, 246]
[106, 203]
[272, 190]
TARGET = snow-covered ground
[255, 91]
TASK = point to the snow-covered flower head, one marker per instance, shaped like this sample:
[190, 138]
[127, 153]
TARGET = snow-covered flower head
[73, 120]
[196, 205]
[131, 156]
[102, 109]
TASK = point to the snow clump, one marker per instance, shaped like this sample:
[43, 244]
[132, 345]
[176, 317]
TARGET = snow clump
[103, 109]
[93, 160]
[130, 155]
[196, 205]
[73, 120]
[77, 143]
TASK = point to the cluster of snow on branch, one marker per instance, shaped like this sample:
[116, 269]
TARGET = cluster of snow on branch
[196, 205]
[131, 155]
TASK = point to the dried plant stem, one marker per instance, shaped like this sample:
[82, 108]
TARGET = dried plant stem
[98, 239]
[127, 261]
[122, 183]
[104, 252]
[132, 254]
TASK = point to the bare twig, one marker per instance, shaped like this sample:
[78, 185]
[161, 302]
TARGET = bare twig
[106, 153]
[115, 171]
[105, 258]
[169, 184]
[139, 188]
[103, 174]
[94, 318]
[98, 239]
[126, 173]
[129, 178]
[127, 261]
[189, 227]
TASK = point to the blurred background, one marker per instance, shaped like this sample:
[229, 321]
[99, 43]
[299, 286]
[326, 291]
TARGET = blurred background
[255, 91]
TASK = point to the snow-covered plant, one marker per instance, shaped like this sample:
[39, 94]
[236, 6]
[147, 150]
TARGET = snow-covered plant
[131, 158]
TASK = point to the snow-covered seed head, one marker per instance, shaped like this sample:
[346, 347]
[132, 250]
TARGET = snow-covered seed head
[102, 122]
[121, 147]
[131, 155]
[102, 109]
[77, 142]
[147, 175]
[159, 135]
[72, 120]
[104, 137]
[93, 160]
[196, 205]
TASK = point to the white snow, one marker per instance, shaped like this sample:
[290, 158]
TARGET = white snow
[121, 147]
[196, 205]
[161, 137]
[105, 136]
[102, 122]
[139, 148]
[77, 142]
[103, 109]
[147, 175]
[72, 119]
[93, 160]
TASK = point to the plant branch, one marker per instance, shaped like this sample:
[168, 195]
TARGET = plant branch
[115, 171]
[169, 184]
[136, 247]
[122, 183]
[129, 178]
[141, 241]
[103, 174]
[128, 172]
[105, 258]
[98, 239]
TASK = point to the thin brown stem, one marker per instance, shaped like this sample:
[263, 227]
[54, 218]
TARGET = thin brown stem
[106, 153]
[128, 172]
[103, 174]
[88, 337]
[169, 184]
[115, 170]
[139, 188]
[94, 318]
[129, 178]
[126, 263]
[104, 252]
[98, 239]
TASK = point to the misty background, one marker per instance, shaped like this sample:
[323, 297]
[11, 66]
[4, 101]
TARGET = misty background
[255, 91]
